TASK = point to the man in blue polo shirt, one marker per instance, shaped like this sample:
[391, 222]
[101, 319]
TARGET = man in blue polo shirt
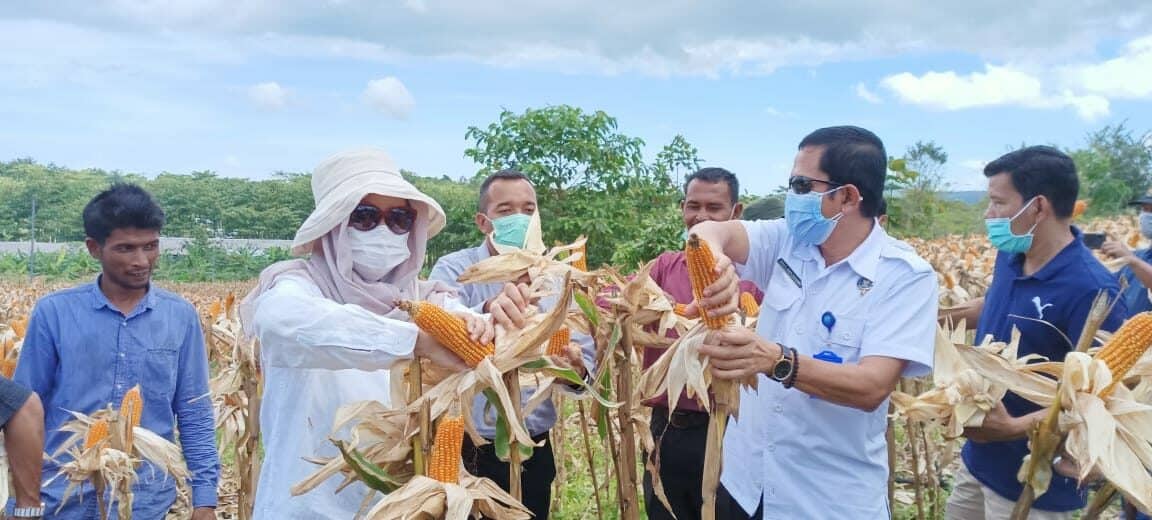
[1044, 282]
[1137, 271]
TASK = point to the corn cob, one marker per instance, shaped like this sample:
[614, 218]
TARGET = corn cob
[702, 273]
[680, 309]
[1126, 347]
[8, 368]
[444, 464]
[1134, 239]
[748, 304]
[97, 432]
[131, 406]
[1079, 209]
[449, 330]
[582, 262]
[214, 310]
[558, 344]
[20, 327]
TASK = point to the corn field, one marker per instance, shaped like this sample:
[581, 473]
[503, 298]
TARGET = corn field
[599, 443]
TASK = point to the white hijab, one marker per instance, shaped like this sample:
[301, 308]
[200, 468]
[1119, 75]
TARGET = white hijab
[339, 183]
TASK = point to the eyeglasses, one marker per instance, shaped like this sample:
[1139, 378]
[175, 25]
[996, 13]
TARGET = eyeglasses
[366, 217]
[801, 184]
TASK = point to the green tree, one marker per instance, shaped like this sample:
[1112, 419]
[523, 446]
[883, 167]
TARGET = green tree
[1115, 166]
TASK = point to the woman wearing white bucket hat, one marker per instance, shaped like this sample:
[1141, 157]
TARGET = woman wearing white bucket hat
[328, 327]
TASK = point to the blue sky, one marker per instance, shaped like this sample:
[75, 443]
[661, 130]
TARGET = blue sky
[249, 87]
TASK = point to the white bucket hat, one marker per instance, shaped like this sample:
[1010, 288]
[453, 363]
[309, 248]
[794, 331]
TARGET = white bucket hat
[342, 180]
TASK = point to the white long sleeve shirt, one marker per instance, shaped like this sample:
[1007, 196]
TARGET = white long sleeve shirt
[317, 355]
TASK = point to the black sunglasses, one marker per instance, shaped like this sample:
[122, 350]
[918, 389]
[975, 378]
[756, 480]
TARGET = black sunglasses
[801, 184]
[366, 217]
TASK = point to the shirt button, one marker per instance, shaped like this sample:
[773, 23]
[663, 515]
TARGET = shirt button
[121, 354]
[119, 387]
[779, 408]
[124, 324]
[771, 447]
[799, 330]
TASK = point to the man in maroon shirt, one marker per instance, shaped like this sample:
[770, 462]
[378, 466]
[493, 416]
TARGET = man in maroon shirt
[709, 194]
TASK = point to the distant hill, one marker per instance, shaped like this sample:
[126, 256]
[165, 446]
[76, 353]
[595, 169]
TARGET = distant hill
[967, 197]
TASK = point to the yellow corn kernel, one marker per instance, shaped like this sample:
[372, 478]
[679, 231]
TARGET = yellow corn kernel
[702, 273]
[748, 304]
[558, 344]
[680, 309]
[1126, 347]
[449, 330]
[1134, 239]
[97, 432]
[444, 463]
[229, 302]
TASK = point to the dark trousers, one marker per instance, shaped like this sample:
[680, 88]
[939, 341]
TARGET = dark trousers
[681, 450]
[537, 473]
[728, 509]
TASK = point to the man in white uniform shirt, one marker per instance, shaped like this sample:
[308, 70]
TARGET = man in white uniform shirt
[847, 312]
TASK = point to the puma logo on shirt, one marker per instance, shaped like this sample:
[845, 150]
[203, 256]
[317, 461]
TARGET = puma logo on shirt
[1040, 308]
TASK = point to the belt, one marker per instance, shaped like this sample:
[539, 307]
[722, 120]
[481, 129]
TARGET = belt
[679, 419]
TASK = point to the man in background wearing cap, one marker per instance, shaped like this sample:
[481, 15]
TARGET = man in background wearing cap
[1136, 275]
[507, 215]
[329, 328]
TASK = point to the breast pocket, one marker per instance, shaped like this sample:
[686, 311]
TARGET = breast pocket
[159, 376]
[842, 343]
[780, 296]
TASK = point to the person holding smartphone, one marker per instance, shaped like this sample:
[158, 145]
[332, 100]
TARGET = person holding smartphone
[1136, 275]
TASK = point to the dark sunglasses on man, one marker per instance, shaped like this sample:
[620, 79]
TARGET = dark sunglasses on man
[801, 184]
[399, 219]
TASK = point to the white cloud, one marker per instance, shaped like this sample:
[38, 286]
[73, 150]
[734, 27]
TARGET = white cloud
[269, 95]
[995, 86]
[389, 96]
[645, 36]
[1128, 76]
[863, 92]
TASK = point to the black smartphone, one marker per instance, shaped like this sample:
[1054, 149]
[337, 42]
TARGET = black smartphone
[1093, 240]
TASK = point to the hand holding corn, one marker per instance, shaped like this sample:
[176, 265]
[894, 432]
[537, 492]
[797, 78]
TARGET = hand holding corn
[738, 352]
[722, 297]
[508, 307]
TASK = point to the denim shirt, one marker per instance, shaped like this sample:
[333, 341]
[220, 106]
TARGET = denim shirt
[82, 354]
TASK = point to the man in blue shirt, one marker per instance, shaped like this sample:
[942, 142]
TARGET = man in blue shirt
[88, 345]
[506, 211]
[1137, 272]
[1043, 284]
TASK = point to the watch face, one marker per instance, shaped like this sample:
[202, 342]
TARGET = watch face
[782, 369]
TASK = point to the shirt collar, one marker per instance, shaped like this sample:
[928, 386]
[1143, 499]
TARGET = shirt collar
[99, 300]
[863, 260]
[1056, 264]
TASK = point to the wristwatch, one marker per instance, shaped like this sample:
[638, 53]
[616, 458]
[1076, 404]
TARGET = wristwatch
[28, 512]
[784, 366]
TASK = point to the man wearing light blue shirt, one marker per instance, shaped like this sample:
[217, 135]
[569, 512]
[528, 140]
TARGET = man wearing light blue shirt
[89, 345]
[506, 209]
[847, 311]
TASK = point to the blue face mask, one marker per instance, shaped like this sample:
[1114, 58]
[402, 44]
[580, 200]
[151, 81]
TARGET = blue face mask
[1001, 235]
[1146, 224]
[511, 230]
[805, 221]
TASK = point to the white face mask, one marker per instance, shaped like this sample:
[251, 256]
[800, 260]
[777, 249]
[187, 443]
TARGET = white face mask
[376, 252]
